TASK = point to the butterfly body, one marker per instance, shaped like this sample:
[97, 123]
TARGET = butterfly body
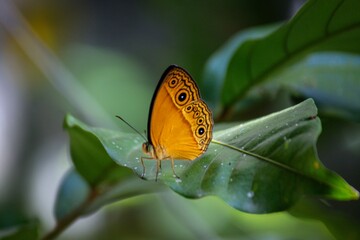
[180, 123]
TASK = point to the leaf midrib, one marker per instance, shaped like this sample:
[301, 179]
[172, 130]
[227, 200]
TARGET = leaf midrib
[275, 163]
[299, 51]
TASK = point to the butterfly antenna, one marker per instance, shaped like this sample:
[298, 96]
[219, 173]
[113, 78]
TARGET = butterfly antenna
[132, 127]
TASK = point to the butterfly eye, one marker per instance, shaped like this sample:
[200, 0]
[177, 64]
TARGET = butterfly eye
[189, 108]
[173, 82]
[182, 97]
[200, 131]
[200, 120]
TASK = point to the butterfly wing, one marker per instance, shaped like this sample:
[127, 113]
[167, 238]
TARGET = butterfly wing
[180, 123]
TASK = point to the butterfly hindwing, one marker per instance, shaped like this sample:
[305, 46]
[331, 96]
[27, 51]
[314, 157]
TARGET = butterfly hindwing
[199, 116]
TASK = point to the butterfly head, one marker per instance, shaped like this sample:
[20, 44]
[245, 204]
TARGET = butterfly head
[148, 148]
[155, 152]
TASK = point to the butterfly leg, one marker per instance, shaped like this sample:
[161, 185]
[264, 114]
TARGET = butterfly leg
[173, 169]
[158, 167]
[143, 165]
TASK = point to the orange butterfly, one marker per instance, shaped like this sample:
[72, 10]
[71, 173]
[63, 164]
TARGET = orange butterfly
[180, 123]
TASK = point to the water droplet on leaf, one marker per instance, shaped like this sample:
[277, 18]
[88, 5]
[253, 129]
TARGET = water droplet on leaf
[250, 194]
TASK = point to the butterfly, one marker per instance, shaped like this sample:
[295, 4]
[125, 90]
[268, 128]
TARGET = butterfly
[180, 123]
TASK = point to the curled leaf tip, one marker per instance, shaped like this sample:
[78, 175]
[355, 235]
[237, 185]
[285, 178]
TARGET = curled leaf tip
[356, 194]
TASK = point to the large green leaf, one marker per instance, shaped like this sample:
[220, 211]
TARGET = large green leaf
[96, 179]
[287, 168]
[332, 25]
[331, 79]
[282, 166]
[84, 145]
[216, 67]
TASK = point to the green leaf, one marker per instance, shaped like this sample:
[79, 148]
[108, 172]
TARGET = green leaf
[319, 26]
[216, 67]
[331, 79]
[75, 195]
[287, 168]
[84, 145]
[72, 193]
[282, 167]
[96, 180]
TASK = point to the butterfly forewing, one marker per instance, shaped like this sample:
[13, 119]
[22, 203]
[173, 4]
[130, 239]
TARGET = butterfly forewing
[180, 123]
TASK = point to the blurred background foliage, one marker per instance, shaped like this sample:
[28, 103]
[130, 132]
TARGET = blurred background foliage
[98, 59]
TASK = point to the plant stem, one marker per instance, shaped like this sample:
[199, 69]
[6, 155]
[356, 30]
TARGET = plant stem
[64, 223]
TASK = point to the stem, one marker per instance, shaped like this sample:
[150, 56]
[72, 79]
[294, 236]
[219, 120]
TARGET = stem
[64, 223]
